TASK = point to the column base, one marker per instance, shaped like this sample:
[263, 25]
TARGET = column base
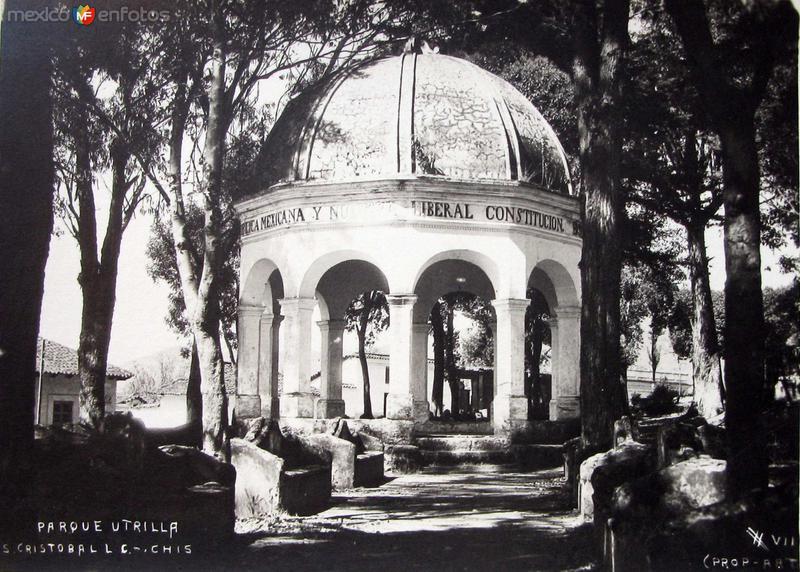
[421, 411]
[297, 405]
[565, 407]
[330, 408]
[270, 407]
[399, 406]
[510, 412]
[247, 406]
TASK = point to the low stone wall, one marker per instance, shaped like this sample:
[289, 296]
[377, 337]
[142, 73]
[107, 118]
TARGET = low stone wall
[265, 484]
[343, 456]
[369, 469]
[257, 479]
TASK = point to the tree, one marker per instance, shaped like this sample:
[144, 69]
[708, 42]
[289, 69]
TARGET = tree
[437, 331]
[367, 315]
[221, 51]
[26, 221]
[537, 333]
[121, 126]
[672, 169]
[731, 56]
[782, 316]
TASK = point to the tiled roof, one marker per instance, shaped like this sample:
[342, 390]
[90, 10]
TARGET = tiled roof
[62, 360]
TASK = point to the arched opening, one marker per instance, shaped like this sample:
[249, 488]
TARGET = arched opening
[259, 334]
[455, 312]
[538, 356]
[552, 326]
[354, 358]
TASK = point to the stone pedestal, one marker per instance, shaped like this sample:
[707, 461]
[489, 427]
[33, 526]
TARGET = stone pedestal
[329, 408]
[268, 365]
[330, 403]
[565, 331]
[248, 400]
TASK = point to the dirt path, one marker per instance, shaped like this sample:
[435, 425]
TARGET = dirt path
[474, 518]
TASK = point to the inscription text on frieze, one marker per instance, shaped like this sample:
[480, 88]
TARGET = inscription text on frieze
[409, 210]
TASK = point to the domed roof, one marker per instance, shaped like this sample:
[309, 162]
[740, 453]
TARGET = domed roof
[414, 114]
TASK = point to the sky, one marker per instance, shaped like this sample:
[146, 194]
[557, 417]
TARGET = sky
[139, 328]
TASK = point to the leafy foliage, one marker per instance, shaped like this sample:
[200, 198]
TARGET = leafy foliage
[782, 340]
[662, 401]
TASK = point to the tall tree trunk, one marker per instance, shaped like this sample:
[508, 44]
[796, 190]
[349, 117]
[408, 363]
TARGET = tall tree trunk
[437, 329]
[706, 366]
[596, 73]
[201, 292]
[98, 280]
[26, 221]
[744, 308]
[732, 106]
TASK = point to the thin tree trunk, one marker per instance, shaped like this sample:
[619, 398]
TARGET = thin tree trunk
[536, 357]
[653, 353]
[597, 72]
[706, 366]
[362, 358]
[437, 329]
[26, 221]
[450, 362]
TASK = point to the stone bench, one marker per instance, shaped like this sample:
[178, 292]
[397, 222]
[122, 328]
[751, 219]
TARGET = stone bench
[357, 459]
[277, 472]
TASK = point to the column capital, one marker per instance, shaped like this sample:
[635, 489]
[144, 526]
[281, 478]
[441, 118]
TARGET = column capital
[297, 304]
[567, 312]
[511, 304]
[420, 327]
[401, 300]
[267, 317]
[250, 310]
[332, 324]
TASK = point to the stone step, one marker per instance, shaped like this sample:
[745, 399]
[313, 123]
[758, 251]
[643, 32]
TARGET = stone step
[455, 427]
[523, 456]
[461, 443]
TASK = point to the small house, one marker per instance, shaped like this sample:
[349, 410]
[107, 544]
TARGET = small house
[58, 384]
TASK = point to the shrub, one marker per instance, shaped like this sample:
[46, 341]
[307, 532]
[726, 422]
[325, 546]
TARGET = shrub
[662, 401]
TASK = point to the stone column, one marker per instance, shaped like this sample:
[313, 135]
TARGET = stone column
[248, 401]
[295, 363]
[266, 380]
[330, 404]
[400, 401]
[419, 371]
[275, 383]
[510, 404]
[566, 340]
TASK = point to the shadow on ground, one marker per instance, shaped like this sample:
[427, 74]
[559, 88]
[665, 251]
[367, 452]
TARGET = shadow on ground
[465, 518]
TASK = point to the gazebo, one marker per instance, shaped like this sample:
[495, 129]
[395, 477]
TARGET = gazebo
[417, 175]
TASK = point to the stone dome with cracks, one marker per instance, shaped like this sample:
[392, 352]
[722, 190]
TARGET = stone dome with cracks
[413, 115]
